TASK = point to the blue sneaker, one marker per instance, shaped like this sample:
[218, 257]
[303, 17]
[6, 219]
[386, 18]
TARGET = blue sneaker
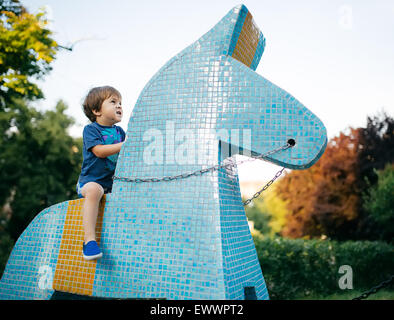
[91, 251]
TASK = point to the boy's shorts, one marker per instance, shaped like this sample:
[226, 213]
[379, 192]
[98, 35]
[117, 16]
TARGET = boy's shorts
[80, 185]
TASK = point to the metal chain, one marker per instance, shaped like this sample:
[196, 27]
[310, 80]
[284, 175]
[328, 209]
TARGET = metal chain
[277, 175]
[202, 171]
[215, 168]
[245, 203]
[375, 289]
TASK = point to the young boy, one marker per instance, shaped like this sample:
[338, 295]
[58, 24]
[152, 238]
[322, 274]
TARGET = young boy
[102, 141]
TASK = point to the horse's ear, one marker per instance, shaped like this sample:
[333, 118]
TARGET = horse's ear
[247, 42]
[237, 36]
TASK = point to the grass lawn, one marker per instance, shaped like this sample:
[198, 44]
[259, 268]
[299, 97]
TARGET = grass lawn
[383, 294]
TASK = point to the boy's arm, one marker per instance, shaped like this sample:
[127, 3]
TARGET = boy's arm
[105, 150]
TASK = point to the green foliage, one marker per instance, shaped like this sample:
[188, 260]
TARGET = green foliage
[26, 52]
[38, 160]
[257, 213]
[268, 212]
[39, 166]
[379, 202]
[294, 268]
[40, 163]
[6, 245]
[276, 208]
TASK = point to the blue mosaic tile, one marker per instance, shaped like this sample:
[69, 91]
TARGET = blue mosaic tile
[30, 267]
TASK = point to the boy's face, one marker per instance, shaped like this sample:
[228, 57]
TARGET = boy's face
[111, 111]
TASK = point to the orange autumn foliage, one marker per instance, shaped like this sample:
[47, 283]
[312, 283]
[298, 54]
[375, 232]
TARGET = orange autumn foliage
[323, 198]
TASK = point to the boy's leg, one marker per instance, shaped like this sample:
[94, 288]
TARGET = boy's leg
[92, 192]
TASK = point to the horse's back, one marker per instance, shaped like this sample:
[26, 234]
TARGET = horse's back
[47, 255]
[30, 267]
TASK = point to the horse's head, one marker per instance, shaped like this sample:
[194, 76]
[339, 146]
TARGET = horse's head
[210, 92]
[265, 115]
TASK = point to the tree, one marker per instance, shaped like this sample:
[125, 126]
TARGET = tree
[376, 147]
[268, 212]
[375, 151]
[276, 208]
[39, 161]
[40, 164]
[257, 212]
[379, 202]
[326, 199]
[26, 52]
[12, 6]
[322, 198]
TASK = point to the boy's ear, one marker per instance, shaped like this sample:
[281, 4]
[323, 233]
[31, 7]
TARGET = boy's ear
[96, 113]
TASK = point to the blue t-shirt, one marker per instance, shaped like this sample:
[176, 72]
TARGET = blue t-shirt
[97, 169]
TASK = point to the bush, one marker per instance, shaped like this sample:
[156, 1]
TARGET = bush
[295, 268]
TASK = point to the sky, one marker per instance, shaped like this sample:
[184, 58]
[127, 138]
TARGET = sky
[335, 57]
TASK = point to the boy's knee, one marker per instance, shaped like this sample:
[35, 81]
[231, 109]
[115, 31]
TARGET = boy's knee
[92, 190]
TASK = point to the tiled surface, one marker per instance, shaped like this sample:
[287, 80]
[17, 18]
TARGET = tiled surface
[240, 263]
[248, 39]
[73, 273]
[30, 267]
[183, 239]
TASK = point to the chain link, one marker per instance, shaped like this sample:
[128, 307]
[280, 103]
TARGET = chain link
[205, 170]
[217, 167]
[257, 194]
[375, 289]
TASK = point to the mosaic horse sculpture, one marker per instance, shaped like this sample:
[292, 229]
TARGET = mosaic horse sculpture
[183, 238]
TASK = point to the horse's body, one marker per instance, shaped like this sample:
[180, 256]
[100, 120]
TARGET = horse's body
[184, 238]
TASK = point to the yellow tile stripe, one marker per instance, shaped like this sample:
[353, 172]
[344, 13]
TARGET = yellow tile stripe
[248, 40]
[73, 274]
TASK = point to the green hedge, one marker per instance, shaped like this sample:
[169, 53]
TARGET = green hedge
[296, 268]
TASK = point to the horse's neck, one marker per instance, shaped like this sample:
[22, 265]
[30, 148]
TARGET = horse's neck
[166, 148]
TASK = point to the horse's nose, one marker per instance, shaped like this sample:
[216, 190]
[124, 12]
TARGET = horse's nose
[314, 142]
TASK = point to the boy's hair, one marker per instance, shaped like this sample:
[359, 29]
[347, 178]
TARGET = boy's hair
[95, 98]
